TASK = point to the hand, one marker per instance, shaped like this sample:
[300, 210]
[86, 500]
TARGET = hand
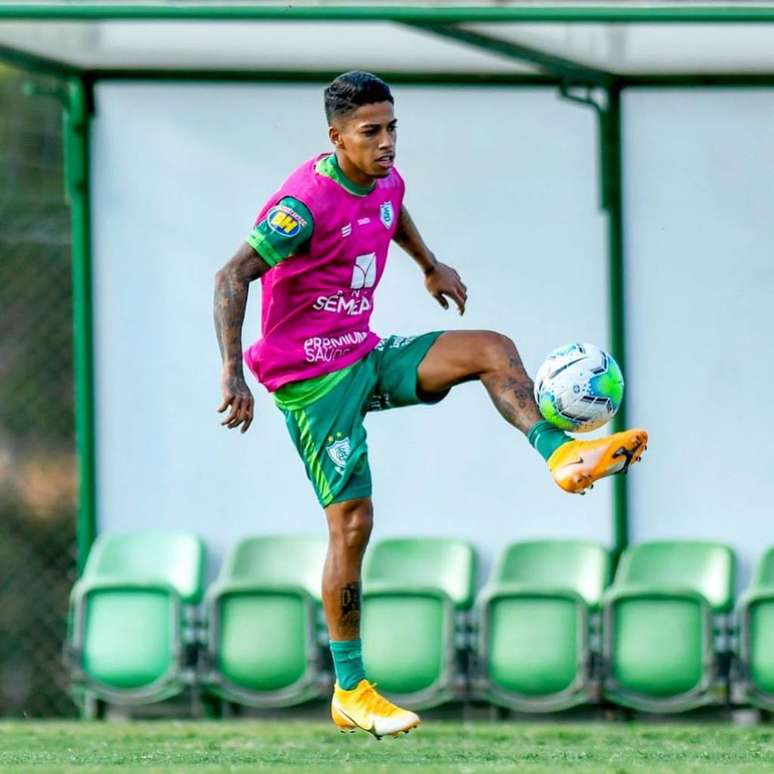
[238, 399]
[442, 281]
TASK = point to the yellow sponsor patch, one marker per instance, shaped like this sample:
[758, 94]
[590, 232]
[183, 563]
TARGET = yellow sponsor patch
[284, 221]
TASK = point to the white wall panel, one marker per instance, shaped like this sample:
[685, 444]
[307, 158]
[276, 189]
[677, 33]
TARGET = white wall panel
[700, 276]
[503, 185]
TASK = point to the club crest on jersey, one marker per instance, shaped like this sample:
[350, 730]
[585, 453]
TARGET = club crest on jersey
[386, 214]
[284, 221]
[339, 453]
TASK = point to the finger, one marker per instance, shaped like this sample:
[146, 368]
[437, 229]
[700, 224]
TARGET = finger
[441, 300]
[248, 421]
[236, 419]
[459, 299]
[232, 414]
[225, 404]
[228, 416]
[245, 411]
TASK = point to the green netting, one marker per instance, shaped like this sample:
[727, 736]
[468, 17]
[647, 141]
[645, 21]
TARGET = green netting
[37, 457]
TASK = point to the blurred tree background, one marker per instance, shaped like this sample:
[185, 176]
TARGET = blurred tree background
[37, 455]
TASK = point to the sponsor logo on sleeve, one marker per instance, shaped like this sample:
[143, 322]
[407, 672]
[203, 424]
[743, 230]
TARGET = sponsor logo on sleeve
[285, 221]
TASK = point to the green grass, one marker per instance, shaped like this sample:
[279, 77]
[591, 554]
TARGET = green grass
[437, 747]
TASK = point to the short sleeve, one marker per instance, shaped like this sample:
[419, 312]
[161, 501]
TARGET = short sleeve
[284, 231]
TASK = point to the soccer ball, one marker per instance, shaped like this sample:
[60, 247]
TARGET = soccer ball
[579, 387]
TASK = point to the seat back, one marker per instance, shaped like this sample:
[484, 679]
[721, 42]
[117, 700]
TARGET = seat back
[579, 565]
[277, 560]
[445, 564]
[764, 572]
[706, 568]
[169, 557]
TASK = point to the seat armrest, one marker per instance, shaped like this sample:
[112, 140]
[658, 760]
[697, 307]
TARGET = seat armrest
[393, 589]
[219, 590]
[753, 595]
[86, 586]
[525, 591]
[619, 593]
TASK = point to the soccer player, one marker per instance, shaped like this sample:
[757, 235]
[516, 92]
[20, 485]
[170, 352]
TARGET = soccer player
[319, 246]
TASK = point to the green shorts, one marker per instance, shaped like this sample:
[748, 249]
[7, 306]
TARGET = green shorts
[329, 433]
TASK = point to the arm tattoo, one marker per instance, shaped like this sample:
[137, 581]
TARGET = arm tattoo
[231, 286]
[350, 608]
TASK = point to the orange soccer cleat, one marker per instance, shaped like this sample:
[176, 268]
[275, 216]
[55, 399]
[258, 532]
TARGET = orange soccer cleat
[364, 708]
[576, 465]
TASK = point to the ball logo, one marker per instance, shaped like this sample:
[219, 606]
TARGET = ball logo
[284, 221]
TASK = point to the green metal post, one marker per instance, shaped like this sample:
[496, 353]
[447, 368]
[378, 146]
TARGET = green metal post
[612, 202]
[76, 150]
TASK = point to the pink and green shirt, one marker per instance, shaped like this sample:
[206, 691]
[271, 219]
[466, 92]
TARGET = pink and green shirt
[326, 240]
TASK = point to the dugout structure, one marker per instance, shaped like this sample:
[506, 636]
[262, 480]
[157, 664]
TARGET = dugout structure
[672, 293]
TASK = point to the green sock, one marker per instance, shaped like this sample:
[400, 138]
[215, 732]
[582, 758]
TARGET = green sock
[348, 663]
[546, 438]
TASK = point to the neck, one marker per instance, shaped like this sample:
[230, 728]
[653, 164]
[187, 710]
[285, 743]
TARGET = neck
[352, 172]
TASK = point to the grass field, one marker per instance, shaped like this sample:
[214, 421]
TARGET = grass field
[438, 747]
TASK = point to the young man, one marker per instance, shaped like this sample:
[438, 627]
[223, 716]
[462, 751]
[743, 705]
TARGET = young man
[319, 246]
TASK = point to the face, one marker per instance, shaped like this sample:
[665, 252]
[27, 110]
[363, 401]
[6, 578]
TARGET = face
[365, 141]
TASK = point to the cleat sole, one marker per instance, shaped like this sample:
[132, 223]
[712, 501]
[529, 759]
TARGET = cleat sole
[617, 460]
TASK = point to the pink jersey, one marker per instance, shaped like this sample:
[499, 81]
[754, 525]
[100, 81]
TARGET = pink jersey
[317, 305]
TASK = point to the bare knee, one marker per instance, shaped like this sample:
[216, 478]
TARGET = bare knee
[496, 351]
[350, 525]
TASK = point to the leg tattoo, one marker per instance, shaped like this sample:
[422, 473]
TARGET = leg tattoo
[510, 388]
[349, 597]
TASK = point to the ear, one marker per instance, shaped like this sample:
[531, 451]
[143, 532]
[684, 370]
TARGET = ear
[335, 137]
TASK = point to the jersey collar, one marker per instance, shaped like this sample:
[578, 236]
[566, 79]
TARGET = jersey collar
[328, 166]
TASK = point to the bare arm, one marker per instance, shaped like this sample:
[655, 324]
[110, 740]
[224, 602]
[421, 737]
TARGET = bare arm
[410, 240]
[440, 280]
[231, 287]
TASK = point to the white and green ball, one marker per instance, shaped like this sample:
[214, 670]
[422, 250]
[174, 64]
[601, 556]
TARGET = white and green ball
[579, 387]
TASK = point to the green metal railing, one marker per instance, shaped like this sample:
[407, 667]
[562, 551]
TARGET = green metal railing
[677, 13]
[76, 156]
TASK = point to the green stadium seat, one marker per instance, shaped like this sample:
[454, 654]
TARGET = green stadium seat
[756, 636]
[132, 617]
[662, 615]
[263, 610]
[535, 619]
[416, 594]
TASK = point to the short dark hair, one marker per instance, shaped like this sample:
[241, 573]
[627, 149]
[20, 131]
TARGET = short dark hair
[349, 91]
